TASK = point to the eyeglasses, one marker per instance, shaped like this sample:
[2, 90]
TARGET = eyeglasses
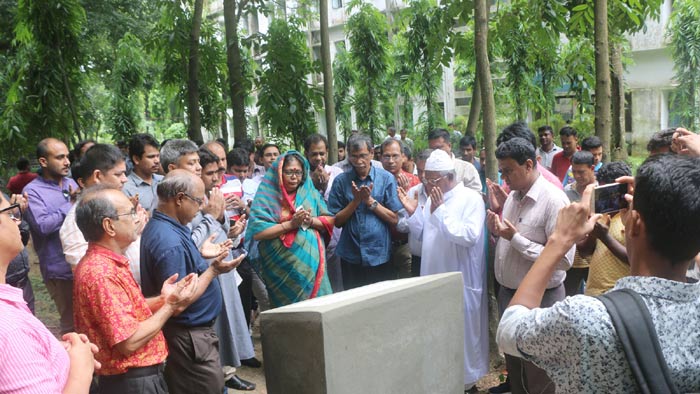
[434, 181]
[11, 212]
[133, 214]
[199, 201]
[291, 173]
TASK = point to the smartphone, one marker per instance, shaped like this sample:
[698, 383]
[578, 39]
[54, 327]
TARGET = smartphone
[609, 198]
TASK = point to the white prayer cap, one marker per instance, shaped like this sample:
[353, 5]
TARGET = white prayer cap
[439, 160]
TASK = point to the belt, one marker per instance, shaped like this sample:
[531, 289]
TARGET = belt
[208, 324]
[546, 290]
[136, 372]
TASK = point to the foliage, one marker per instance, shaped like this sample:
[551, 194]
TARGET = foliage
[170, 43]
[127, 80]
[397, 80]
[427, 39]
[367, 31]
[579, 72]
[44, 96]
[684, 33]
[285, 99]
[528, 41]
[343, 77]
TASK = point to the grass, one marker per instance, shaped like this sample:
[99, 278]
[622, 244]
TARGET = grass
[44, 307]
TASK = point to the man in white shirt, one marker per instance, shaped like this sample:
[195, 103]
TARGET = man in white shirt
[452, 226]
[529, 216]
[413, 199]
[103, 164]
[391, 133]
[547, 148]
[466, 173]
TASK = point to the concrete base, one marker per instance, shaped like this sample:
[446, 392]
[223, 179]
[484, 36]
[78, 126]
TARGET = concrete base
[404, 336]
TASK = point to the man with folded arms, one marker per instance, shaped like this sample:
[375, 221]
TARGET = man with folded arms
[109, 306]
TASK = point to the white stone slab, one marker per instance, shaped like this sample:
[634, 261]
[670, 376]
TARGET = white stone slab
[404, 336]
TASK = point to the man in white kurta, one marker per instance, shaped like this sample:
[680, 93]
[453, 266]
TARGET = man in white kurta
[452, 227]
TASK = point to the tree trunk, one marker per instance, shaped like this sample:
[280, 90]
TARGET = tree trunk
[328, 84]
[69, 96]
[474, 108]
[483, 71]
[619, 147]
[235, 71]
[224, 121]
[194, 129]
[602, 76]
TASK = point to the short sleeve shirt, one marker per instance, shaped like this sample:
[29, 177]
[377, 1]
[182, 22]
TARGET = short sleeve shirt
[167, 248]
[109, 307]
[575, 342]
[365, 238]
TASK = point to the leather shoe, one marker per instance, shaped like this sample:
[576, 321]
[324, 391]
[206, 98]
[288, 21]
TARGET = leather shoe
[251, 362]
[237, 383]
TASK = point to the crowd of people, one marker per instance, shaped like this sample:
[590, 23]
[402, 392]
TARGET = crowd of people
[160, 256]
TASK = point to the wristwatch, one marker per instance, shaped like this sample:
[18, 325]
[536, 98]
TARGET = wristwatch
[373, 205]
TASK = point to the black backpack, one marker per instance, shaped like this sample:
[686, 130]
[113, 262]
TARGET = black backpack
[634, 327]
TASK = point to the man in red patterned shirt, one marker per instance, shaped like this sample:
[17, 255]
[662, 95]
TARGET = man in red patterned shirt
[108, 304]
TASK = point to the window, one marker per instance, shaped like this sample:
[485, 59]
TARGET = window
[337, 4]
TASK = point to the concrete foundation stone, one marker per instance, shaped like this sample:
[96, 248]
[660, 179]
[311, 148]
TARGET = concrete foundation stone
[404, 336]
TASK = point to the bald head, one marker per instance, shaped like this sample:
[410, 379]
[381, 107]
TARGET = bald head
[218, 150]
[176, 182]
[42, 148]
[98, 203]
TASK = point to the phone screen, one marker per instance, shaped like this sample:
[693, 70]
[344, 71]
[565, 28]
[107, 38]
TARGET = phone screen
[609, 198]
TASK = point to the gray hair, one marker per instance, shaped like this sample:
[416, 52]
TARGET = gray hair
[175, 183]
[357, 141]
[93, 207]
[424, 154]
[173, 150]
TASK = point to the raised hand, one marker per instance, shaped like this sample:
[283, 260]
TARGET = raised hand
[436, 198]
[601, 227]
[320, 178]
[210, 250]
[73, 194]
[238, 227]
[686, 142]
[134, 200]
[497, 196]
[409, 204]
[143, 218]
[179, 294]
[19, 199]
[574, 221]
[222, 267]
[403, 181]
[215, 205]
[498, 228]
[299, 217]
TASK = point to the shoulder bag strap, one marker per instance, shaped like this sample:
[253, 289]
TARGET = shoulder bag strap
[634, 327]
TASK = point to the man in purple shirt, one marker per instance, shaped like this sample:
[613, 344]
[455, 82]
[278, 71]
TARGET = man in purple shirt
[49, 197]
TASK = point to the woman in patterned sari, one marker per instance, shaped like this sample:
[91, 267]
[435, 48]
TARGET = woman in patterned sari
[291, 224]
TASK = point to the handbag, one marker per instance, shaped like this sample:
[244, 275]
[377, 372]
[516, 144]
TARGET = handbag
[632, 321]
